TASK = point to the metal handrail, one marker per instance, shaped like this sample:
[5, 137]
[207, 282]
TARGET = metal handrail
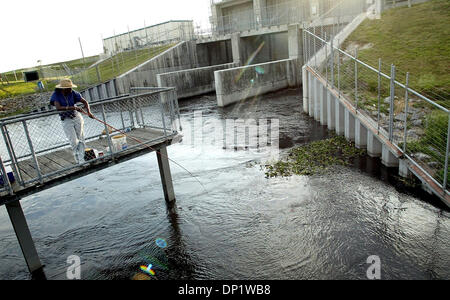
[168, 106]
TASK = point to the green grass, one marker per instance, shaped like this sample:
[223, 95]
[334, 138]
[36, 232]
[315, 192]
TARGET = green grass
[23, 88]
[117, 65]
[415, 40]
[79, 63]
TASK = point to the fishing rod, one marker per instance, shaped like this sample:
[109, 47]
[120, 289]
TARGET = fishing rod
[146, 145]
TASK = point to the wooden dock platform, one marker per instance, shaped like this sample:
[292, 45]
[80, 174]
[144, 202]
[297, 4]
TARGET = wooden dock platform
[52, 163]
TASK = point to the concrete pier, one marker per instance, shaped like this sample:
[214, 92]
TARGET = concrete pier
[23, 235]
[323, 105]
[340, 117]
[311, 94]
[360, 135]
[349, 130]
[331, 113]
[166, 176]
[374, 146]
[387, 158]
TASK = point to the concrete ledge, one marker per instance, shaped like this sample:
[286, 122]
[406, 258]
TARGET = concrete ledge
[192, 82]
[235, 84]
[387, 158]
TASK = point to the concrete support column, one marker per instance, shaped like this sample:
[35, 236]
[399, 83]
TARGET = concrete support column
[23, 234]
[311, 92]
[340, 117]
[317, 95]
[349, 126]
[315, 12]
[323, 105]
[360, 135]
[166, 176]
[236, 48]
[379, 7]
[387, 158]
[295, 42]
[373, 145]
[403, 168]
[331, 111]
[257, 10]
[305, 85]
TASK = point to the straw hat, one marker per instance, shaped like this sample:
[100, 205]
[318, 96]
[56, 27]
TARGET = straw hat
[65, 84]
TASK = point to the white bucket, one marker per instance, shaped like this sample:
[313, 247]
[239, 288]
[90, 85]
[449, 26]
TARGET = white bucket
[119, 143]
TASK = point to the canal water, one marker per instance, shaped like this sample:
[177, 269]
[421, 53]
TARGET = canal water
[241, 225]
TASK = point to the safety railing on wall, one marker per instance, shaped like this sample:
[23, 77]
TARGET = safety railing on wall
[36, 148]
[415, 124]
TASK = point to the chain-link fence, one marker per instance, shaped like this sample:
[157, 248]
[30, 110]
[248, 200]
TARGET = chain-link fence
[37, 149]
[414, 123]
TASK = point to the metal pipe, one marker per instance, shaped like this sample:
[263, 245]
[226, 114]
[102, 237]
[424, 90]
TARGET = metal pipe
[12, 154]
[5, 177]
[33, 154]
[326, 61]
[332, 64]
[107, 132]
[406, 113]
[339, 72]
[356, 80]
[391, 109]
[379, 95]
[162, 116]
[444, 186]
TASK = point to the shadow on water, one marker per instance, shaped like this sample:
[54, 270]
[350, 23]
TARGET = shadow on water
[410, 186]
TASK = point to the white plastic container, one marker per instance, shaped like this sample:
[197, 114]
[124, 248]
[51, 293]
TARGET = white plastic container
[119, 143]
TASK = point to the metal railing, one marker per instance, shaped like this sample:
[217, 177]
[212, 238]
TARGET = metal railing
[36, 148]
[415, 124]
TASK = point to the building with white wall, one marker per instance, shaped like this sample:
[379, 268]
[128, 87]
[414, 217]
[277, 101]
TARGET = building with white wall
[179, 30]
[238, 15]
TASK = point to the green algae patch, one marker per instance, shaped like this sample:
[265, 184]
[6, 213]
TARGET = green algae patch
[315, 158]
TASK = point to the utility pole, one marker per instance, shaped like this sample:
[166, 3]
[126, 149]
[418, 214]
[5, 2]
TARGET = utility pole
[84, 60]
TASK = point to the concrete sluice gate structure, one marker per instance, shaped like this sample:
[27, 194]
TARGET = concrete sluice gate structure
[276, 44]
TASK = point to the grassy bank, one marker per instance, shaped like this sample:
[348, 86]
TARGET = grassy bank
[415, 40]
[117, 65]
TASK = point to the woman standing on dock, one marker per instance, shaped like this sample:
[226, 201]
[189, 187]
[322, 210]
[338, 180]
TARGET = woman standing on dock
[64, 99]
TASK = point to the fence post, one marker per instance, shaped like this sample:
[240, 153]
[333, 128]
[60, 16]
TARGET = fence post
[379, 95]
[33, 153]
[108, 136]
[356, 80]
[5, 177]
[444, 186]
[332, 64]
[326, 59]
[391, 108]
[339, 71]
[12, 154]
[162, 114]
[406, 113]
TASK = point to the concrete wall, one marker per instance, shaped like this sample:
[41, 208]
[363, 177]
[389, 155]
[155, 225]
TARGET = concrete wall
[236, 84]
[180, 57]
[101, 91]
[192, 82]
[214, 53]
[273, 47]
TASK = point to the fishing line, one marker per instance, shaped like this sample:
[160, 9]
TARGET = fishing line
[148, 146]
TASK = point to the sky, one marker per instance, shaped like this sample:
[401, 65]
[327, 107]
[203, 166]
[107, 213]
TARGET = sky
[48, 30]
